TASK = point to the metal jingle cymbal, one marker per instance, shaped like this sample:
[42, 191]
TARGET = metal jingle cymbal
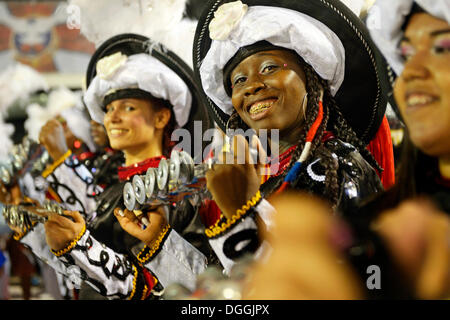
[23, 151]
[45, 157]
[5, 176]
[56, 208]
[20, 219]
[26, 144]
[187, 167]
[139, 189]
[174, 170]
[18, 161]
[162, 174]
[129, 198]
[6, 214]
[150, 182]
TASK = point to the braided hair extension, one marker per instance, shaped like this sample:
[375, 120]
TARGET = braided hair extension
[347, 134]
[314, 88]
[338, 123]
[333, 121]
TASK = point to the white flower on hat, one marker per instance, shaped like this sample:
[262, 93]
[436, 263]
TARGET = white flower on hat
[107, 66]
[226, 17]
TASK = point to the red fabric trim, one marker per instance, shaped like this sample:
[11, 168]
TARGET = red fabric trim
[327, 135]
[285, 157]
[125, 173]
[149, 280]
[382, 150]
[209, 213]
[49, 196]
[283, 161]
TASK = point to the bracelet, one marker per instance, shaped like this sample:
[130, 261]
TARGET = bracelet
[220, 226]
[149, 252]
[145, 286]
[54, 165]
[19, 235]
[71, 245]
[134, 283]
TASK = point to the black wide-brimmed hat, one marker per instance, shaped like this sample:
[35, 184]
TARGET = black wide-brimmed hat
[362, 94]
[134, 44]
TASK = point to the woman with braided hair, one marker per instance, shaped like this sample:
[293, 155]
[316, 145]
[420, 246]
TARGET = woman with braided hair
[309, 70]
[332, 119]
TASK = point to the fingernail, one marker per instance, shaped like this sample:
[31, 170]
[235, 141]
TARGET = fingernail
[145, 221]
[120, 212]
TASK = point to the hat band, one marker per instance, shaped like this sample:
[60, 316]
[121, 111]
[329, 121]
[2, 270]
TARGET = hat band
[242, 54]
[133, 93]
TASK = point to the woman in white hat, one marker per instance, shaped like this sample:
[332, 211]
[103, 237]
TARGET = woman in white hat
[140, 92]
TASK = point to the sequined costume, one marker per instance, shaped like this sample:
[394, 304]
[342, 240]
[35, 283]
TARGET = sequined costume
[358, 180]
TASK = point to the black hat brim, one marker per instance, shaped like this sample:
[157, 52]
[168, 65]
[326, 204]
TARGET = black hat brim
[362, 95]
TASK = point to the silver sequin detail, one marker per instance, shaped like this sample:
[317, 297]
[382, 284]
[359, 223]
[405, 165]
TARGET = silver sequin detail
[350, 189]
[315, 177]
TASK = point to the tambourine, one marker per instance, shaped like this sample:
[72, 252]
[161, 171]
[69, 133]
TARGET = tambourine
[29, 156]
[25, 215]
[174, 179]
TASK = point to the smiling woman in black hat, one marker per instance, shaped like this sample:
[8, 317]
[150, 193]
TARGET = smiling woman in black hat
[307, 69]
[141, 92]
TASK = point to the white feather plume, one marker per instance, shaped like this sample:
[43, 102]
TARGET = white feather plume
[355, 5]
[61, 99]
[17, 83]
[61, 102]
[160, 20]
[37, 117]
[184, 30]
[6, 130]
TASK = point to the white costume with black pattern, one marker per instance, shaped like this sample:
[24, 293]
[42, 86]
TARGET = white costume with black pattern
[110, 273]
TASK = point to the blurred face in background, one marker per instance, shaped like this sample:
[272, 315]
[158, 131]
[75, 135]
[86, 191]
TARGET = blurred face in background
[99, 135]
[422, 91]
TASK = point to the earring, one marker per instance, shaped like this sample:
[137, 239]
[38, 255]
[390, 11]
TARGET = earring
[233, 115]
